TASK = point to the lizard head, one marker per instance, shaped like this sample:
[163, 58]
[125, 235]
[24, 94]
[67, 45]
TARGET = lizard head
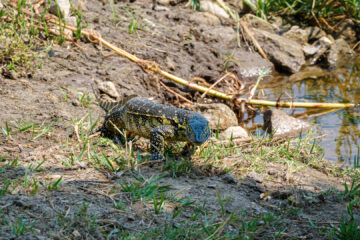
[198, 130]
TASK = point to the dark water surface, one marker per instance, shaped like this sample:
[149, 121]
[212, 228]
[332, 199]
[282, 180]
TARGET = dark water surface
[341, 128]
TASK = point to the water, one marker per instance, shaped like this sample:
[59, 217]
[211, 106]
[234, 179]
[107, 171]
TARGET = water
[341, 127]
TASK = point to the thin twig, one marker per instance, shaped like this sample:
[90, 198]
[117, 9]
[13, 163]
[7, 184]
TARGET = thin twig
[212, 86]
[252, 38]
[176, 94]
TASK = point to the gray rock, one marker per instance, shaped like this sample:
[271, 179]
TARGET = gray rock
[257, 23]
[166, 2]
[323, 45]
[213, 8]
[62, 5]
[308, 73]
[227, 36]
[297, 34]
[310, 50]
[315, 33]
[346, 30]
[286, 54]
[256, 176]
[204, 18]
[278, 123]
[340, 54]
[233, 133]
[229, 178]
[219, 115]
[71, 21]
[108, 88]
[249, 65]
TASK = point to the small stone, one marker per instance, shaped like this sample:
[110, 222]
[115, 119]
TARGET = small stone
[234, 132]
[82, 164]
[211, 7]
[204, 18]
[76, 234]
[311, 72]
[219, 115]
[340, 54]
[278, 123]
[211, 186]
[229, 178]
[297, 34]
[249, 65]
[108, 88]
[62, 5]
[268, 185]
[310, 50]
[323, 44]
[346, 30]
[71, 21]
[315, 33]
[257, 177]
[257, 23]
[272, 172]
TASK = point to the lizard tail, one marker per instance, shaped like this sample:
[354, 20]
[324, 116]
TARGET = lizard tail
[107, 105]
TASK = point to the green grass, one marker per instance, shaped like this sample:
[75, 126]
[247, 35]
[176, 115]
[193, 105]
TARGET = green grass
[304, 9]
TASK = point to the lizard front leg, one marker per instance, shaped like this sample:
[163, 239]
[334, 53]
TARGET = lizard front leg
[157, 138]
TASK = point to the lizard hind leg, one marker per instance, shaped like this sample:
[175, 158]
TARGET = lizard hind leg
[158, 136]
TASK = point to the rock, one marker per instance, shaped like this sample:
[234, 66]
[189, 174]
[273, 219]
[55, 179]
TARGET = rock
[108, 88]
[286, 54]
[248, 65]
[272, 172]
[308, 73]
[62, 5]
[227, 36]
[76, 234]
[212, 7]
[229, 178]
[219, 115]
[71, 21]
[204, 18]
[340, 54]
[297, 34]
[310, 50]
[166, 2]
[346, 30]
[257, 177]
[233, 133]
[257, 23]
[322, 45]
[278, 123]
[315, 33]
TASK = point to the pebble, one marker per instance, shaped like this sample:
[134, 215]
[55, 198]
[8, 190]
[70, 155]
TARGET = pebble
[257, 177]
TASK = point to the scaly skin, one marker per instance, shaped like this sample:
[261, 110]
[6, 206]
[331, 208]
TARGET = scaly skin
[155, 121]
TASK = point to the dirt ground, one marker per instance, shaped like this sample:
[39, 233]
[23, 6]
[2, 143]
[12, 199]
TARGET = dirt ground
[87, 202]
